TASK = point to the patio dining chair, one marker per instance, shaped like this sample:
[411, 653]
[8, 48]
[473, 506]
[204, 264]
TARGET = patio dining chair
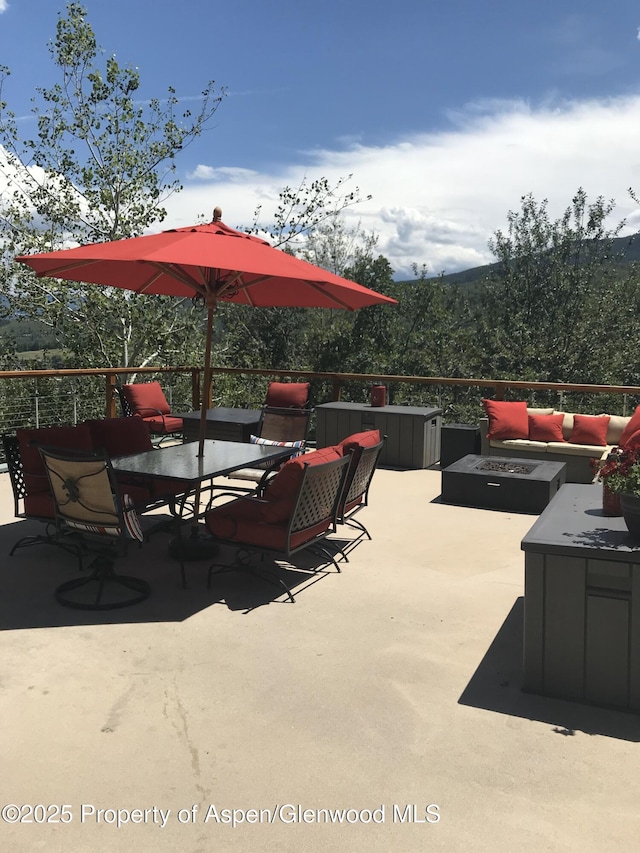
[281, 427]
[33, 508]
[355, 496]
[88, 502]
[297, 512]
[146, 400]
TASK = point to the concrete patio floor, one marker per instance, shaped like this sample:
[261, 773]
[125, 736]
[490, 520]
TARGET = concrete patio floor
[382, 690]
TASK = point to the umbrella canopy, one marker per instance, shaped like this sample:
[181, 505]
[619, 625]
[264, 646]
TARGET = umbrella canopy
[212, 261]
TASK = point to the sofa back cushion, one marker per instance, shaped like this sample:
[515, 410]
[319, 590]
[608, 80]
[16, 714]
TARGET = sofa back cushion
[617, 425]
[146, 399]
[120, 436]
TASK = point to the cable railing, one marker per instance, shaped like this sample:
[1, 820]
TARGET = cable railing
[38, 398]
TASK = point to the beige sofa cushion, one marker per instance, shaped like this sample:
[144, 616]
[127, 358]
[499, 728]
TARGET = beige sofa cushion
[567, 424]
[616, 424]
[520, 444]
[593, 450]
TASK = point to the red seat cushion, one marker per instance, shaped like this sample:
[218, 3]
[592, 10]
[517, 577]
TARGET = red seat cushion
[507, 420]
[146, 399]
[590, 429]
[546, 427]
[163, 425]
[120, 436]
[63, 437]
[242, 520]
[288, 395]
[282, 490]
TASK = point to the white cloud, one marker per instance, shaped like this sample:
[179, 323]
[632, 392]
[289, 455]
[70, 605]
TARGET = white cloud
[3, 6]
[210, 173]
[439, 197]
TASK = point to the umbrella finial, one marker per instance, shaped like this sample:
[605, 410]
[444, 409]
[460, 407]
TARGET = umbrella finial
[217, 214]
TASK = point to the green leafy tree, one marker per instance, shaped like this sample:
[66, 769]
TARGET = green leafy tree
[539, 316]
[100, 168]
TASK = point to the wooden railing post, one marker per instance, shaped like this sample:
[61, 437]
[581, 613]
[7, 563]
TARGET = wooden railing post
[110, 382]
[337, 390]
[195, 388]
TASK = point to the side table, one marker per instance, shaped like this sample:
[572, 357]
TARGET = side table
[458, 440]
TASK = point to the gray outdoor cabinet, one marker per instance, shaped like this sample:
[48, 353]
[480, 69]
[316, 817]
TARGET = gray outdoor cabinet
[413, 433]
[582, 603]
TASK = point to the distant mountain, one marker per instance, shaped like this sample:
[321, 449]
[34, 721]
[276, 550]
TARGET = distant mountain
[624, 250]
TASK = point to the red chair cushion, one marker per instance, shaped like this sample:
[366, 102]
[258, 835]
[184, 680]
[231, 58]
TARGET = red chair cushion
[242, 520]
[632, 427]
[282, 490]
[64, 437]
[120, 436]
[163, 425]
[288, 395]
[146, 399]
[356, 442]
[40, 504]
[507, 420]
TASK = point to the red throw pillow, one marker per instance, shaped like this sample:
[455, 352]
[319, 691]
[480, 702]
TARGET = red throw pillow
[507, 419]
[590, 429]
[287, 395]
[546, 427]
[632, 427]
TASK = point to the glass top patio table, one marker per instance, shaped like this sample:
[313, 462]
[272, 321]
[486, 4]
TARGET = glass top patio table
[181, 461]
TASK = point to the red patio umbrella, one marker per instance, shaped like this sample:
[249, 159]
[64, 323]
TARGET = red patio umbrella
[212, 261]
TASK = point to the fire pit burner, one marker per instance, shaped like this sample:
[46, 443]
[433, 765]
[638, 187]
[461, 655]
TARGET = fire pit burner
[507, 467]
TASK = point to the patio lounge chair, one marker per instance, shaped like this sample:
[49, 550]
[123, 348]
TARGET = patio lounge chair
[88, 502]
[146, 400]
[297, 512]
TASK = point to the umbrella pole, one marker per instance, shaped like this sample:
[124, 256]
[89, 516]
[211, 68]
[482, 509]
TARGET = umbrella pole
[196, 547]
[206, 382]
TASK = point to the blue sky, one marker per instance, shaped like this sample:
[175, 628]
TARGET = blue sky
[445, 112]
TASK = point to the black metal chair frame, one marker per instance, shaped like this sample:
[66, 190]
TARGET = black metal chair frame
[320, 488]
[357, 486]
[67, 540]
[71, 509]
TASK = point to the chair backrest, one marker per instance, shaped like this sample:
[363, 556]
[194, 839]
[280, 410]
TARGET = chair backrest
[86, 495]
[125, 408]
[359, 479]
[13, 459]
[278, 424]
[319, 495]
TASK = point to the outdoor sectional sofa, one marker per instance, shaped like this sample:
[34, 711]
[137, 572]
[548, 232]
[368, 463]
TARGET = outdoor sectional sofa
[569, 437]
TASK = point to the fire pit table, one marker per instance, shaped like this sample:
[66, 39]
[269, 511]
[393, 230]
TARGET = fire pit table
[495, 482]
